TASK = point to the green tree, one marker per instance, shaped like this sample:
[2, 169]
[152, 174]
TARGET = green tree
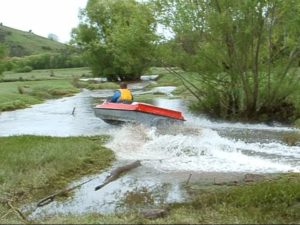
[245, 52]
[117, 37]
[2, 55]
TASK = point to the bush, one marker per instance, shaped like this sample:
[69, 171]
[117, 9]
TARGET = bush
[46, 61]
[25, 69]
[291, 138]
[21, 90]
[2, 69]
[52, 73]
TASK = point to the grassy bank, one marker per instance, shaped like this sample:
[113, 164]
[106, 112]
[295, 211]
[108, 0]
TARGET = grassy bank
[265, 202]
[17, 95]
[35, 166]
[21, 90]
[47, 74]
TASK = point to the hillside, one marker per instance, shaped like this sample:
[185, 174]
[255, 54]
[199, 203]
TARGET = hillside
[21, 43]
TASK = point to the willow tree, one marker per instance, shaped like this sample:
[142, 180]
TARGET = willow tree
[117, 37]
[245, 53]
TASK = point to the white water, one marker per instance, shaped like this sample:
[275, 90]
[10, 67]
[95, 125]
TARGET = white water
[193, 148]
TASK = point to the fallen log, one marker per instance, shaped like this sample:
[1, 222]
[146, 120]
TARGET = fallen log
[50, 198]
[117, 172]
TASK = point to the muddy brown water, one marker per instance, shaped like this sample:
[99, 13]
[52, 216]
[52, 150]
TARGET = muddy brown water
[212, 151]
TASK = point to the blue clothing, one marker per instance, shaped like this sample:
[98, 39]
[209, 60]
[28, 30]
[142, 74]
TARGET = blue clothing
[116, 96]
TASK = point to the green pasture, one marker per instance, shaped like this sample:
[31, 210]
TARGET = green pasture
[29, 42]
[49, 74]
[33, 167]
[15, 95]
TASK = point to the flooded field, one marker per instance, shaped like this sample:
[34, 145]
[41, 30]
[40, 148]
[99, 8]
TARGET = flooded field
[203, 149]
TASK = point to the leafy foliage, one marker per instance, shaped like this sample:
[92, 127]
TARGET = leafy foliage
[117, 37]
[2, 54]
[245, 52]
[66, 59]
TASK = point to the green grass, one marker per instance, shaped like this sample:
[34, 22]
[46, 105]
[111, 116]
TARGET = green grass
[275, 201]
[35, 166]
[48, 74]
[147, 98]
[28, 43]
[20, 90]
[15, 95]
[166, 78]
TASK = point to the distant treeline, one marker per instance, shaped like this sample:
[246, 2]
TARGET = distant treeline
[44, 61]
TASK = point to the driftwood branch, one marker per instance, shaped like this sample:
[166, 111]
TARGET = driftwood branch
[189, 178]
[50, 198]
[117, 172]
[113, 176]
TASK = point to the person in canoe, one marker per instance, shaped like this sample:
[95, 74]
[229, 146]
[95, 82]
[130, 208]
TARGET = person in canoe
[122, 95]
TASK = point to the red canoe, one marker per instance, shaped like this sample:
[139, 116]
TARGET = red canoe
[116, 113]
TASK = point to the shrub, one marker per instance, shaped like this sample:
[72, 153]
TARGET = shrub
[25, 69]
[2, 69]
[52, 73]
[21, 90]
[291, 138]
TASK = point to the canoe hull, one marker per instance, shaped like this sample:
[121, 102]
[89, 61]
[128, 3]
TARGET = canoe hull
[113, 113]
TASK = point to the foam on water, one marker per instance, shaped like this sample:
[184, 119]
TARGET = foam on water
[186, 148]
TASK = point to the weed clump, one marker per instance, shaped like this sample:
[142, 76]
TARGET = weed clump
[291, 139]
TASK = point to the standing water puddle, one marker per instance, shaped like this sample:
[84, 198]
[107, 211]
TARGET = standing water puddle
[208, 150]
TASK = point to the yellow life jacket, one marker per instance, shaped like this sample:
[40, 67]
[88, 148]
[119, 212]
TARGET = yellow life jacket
[125, 95]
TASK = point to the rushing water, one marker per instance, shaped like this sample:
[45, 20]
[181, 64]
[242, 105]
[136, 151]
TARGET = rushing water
[197, 145]
[168, 155]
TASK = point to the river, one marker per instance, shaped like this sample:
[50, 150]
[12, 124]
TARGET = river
[207, 149]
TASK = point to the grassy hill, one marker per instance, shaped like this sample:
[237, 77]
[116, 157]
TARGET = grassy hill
[21, 43]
